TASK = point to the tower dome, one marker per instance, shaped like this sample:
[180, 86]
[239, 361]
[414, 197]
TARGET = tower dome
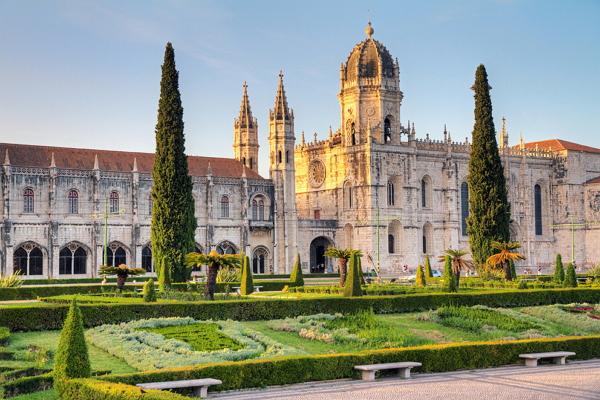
[369, 59]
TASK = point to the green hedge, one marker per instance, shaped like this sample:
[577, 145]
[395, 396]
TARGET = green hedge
[33, 292]
[90, 389]
[435, 358]
[27, 384]
[41, 316]
[4, 335]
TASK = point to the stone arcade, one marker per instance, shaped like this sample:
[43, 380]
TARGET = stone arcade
[371, 185]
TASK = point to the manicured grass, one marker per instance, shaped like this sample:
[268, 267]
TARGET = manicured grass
[100, 360]
[202, 337]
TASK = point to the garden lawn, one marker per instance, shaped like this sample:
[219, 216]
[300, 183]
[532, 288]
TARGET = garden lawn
[48, 340]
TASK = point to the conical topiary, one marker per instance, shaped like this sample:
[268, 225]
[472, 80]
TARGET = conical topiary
[559, 270]
[296, 278]
[428, 272]
[421, 280]
[71, 360]
[247, 285]
[449, 278]
[352, 286]
[513, 269]
[570, 276]
[149, 291]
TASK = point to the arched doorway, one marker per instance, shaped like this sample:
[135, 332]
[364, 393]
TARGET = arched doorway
[260, 257]
[318, 262]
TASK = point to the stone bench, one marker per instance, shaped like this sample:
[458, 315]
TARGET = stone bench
[237, 289]
[558, 357]
[368, 371]
[199, 386]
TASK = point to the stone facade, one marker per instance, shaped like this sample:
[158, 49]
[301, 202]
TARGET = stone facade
[370, 185]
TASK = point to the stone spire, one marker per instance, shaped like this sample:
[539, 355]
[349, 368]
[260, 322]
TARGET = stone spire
[96, 164]
[135, 166]
[369, 30]
[52, 161]
[245, 119]
[503, 142]
[6, 158]
[281, 109]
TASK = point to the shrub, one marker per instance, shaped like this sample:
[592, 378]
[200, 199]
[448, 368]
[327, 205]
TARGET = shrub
[27, 384]
[559, 271]
[91, 389]
[570, 277]
[352, 285]
[296, 278]
[449, 278]
[435, 358]
[149, 291]
[428, 272]
[11, 281]
[420, 280]
[523, 285]
[513, 269]
[246, 286]
[4, 335]
[71, 359]
[594, 273]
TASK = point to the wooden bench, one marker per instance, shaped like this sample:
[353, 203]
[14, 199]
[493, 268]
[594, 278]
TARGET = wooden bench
[368, 371]
[199, 386]
[558, 357]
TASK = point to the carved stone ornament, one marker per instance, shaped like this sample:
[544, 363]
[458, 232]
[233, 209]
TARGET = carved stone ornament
[595, 201]
[316, 173]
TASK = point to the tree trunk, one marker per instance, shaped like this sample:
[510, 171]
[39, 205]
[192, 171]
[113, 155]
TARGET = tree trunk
[342, 270]
[457, 278]
[211, 281]
[121, 281]
[507, 275]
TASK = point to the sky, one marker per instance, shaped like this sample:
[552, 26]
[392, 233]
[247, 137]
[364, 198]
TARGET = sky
[86, 73]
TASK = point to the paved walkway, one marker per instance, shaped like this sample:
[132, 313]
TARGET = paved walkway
[577, 380]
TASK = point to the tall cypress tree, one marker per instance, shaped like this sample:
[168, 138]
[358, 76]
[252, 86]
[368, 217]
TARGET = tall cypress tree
[489, 210]
[173, 221]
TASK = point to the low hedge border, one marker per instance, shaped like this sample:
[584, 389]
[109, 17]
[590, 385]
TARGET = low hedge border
[41, 316]
[26, 384]
[435, 358]
[91, 389]
[4, 335]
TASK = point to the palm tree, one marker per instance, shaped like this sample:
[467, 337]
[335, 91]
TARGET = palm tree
[505, 254]
[458, 261]
[215, 261]
[342, 255]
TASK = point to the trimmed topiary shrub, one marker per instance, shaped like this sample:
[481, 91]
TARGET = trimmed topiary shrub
[513, 269]
[149, 291]
[559, 271]
[428, 272]
[91, 389]
[523, 285]
[420, 280]
[296, 278]
[352, 286]
[247, 285]
[72, 360]
[4, 335]
[570, 277]
[449, 279]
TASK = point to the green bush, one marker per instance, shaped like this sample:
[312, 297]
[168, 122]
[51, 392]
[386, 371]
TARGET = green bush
[296, 279]
[435, 358]
[352, 285]
[91, 389]
[247, 286]
[428, 271]
[28, 293]
[72, 360]
[4, 335]
[523, 284]
[149, 291]
[420, 280]
[559, 271]
[570, 277]
[27, 384]
[449, 278]
[41, 316]
[513, 269]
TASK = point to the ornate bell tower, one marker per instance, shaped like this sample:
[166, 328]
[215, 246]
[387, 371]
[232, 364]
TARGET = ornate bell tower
[370, 95]
[245, 135]
[282, 172]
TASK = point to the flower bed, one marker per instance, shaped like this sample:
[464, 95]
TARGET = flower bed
[141, 347]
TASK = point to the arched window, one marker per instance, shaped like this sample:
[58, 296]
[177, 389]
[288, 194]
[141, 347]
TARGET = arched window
[353, 134]
[287, 156]
[224, 207]
[391, 247]
[427, 239]
[259, 260]
[147, 258]
[387, 130]
[348, 196]
[279, 157]
[226, 248]
[251, 163]
[261, 210]
[254, 210]
[28, 198]
[537, 193]
[28, 259]
[425, 192]
[390, 193]
[116, 255]
[73, 201]
[72, 259]
[464, 207]
[114, 202]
